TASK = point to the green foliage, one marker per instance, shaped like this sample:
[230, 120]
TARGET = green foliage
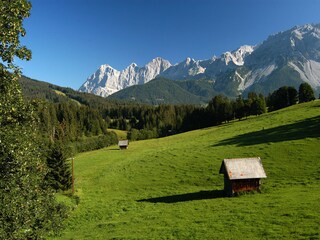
[256, 104]
[12, 14]
[239, 108]
[306, 93]
[68, 122]
[220, 108]
[142, 134]
[95, 142]
[59, 174]
[28, 209]
[283, 97]
[33, 89]
[27, 205]
[12, 108]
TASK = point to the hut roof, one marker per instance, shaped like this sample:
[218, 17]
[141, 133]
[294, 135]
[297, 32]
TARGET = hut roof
[123, 143]
[243, 168]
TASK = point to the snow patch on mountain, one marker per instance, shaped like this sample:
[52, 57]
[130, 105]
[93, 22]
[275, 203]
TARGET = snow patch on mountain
[306, 31]
[105, 76]
[237, 57]
[153, 69]
[188, 68]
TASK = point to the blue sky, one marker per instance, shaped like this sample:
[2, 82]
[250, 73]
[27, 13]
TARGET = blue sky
[70, 39]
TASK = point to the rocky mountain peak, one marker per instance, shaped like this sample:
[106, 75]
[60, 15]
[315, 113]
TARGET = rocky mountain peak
[132, 65]
[237, 56]
[296, 50]
[107, 80]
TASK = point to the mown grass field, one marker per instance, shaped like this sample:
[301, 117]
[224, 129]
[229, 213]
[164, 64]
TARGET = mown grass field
[170, 188]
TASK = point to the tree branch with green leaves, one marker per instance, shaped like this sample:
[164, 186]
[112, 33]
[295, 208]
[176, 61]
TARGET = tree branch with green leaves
[12, 14]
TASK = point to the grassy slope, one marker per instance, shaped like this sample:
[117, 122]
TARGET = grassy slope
[120, 133]
[178, 182]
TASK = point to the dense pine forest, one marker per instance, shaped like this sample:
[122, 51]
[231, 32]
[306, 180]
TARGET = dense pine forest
[83, 119]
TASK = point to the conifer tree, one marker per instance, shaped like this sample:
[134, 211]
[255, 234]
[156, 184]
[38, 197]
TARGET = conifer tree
[262, 106]
[239, 108]
[292, 96]
[306, 93]
[59, 174]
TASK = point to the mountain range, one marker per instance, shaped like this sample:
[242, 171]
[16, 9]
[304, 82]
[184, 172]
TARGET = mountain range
[107, 80]
[286, 58]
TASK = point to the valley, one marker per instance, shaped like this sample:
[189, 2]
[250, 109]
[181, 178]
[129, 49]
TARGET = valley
[170, 188]
[203, 146]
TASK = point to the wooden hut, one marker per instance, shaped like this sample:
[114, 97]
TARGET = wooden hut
[123, 144]
[242, 174]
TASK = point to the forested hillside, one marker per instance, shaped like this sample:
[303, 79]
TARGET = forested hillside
[65, 114]
[85, 115]
[165, 91]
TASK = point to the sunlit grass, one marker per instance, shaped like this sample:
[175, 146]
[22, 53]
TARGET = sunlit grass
[170, 188]
[120, 133]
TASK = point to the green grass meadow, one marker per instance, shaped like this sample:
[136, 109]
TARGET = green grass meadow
[170, 188]
[120, 133]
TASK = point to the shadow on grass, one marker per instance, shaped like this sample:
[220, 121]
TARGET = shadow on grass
[308, 128]
[113, 149]
[187, 197]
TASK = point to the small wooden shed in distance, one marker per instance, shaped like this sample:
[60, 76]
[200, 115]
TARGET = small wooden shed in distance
[123, 144]
[242, 174]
